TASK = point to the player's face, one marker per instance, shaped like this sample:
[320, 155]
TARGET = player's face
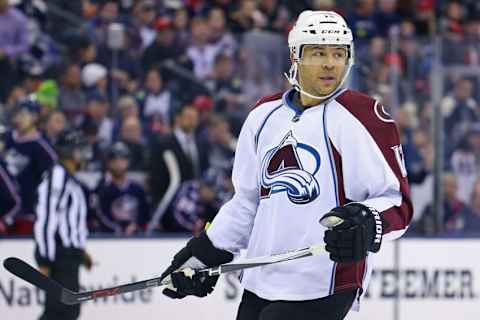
[23, 121]
[321, 68]
[118, 166]
[188, 120]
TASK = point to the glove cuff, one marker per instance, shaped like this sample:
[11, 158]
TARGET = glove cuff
[204, 250]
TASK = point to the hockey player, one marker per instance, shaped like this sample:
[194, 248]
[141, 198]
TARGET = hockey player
[316, 152]
[27, 155]
[60, 228]
[121, 203]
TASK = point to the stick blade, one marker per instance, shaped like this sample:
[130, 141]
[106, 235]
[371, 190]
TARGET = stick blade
[26, 272]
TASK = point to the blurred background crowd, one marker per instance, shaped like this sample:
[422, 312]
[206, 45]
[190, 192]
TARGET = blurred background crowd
[160, 89]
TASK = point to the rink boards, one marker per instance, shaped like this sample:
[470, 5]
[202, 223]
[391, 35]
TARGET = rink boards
[438, 279]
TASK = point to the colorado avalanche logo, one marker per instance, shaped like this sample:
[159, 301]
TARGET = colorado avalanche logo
[290, 167]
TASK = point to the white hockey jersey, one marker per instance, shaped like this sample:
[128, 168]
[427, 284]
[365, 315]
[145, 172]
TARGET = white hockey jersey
[291, 167]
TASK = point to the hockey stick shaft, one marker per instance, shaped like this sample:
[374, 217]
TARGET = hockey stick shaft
[26, 272]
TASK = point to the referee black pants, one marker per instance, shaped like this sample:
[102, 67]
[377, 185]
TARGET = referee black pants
[65, 270]
[334, 307]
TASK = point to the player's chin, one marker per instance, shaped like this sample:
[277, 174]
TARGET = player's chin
[325, 91]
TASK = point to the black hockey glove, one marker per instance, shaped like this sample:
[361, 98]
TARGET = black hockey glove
[361, 231]
[197, 254]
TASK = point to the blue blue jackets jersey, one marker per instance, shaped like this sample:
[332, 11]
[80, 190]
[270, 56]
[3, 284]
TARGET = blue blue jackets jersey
[27, 160]
[119, 206]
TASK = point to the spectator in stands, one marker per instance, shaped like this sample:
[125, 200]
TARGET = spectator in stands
[453, 48]
[98, 25]
[472, 38]
[55, 125]
[425, 18]
[454, 210]
[127, 106]
[131, 135]
[386, 16]
[418, 153]
[200, 51]
[82, 50]
[220, 37]
[16, 95]
[230, 99]
[463, 164]
[222, 143]
[181, 23]
[362, 21]
[226, 5]
[47, 96]
[244, 18]
[157, 101]
[275, 15]
[121, 203]
[460, 111]
[198, 201]
[164, 47]
[72, 98]
[90, 130]
[97, 111]
[144, 15]
[370, 61]
[204, 105]
[13, 42]
[176, 158]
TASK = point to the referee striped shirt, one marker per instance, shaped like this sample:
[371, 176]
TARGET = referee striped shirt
[61, 214]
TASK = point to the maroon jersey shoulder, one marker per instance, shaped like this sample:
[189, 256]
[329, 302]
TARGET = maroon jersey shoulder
[367, 110]
[269, 98]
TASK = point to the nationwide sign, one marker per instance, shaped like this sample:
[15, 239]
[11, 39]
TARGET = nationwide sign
[436, 279]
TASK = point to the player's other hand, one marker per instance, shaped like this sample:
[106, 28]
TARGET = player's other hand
[197, 254]
[3, 228]
[87, 260]
[131, 229]
[44, 270]
[359, 230]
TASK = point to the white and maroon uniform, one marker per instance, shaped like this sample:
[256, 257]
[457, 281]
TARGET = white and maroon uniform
[292, 167]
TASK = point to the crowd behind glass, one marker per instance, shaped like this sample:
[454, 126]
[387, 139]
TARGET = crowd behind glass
[161, 109]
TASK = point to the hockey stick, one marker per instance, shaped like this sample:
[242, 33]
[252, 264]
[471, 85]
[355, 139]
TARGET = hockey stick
[26, 272]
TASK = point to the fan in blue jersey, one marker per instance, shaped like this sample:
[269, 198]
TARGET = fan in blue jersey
[317, 152]
[27, 155]
[121, 203]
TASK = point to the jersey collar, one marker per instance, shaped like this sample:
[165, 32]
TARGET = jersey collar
[288, 100]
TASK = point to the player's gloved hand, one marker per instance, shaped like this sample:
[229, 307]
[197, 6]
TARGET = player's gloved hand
[197, 254]
[360, 231]
[87, 260]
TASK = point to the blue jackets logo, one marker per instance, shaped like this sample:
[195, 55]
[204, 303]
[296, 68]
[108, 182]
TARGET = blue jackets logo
[290, 167]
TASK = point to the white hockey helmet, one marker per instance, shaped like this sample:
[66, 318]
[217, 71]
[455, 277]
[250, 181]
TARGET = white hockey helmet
[318, 27]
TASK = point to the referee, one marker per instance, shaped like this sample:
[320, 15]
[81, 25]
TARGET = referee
[60, 228]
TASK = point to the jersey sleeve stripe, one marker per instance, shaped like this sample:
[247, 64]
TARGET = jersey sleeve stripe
[347, 275]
